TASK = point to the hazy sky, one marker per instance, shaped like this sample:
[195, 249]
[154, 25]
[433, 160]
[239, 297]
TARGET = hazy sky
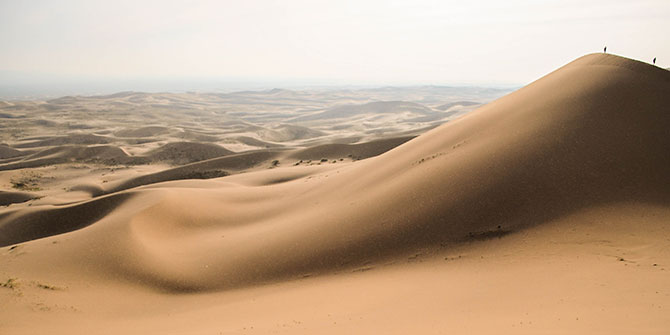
[338, 42]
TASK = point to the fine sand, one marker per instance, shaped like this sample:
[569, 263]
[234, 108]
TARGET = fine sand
[545, 211]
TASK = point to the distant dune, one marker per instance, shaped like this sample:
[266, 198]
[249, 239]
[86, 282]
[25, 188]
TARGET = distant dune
[186, 152]
[61, 140]
[457, 103]
[143, 132]
[239, 121]
[545, 210]
[287, 132]
[7, 152]
[354, 151]
[386, 107]
[68, 153]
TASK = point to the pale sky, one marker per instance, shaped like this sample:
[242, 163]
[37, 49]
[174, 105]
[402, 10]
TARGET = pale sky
[379, 42]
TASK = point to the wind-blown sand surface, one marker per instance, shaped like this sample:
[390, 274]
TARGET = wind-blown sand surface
[545, 211]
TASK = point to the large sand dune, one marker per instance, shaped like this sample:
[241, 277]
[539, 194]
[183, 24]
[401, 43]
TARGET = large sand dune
[522, 206]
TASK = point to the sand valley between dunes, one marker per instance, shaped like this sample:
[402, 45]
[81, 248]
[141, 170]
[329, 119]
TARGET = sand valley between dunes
[425, 210]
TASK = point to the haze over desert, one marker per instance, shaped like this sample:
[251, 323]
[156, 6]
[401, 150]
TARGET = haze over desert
[350, 205]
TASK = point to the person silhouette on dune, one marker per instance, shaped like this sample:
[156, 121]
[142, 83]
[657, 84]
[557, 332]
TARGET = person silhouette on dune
[654, 61]
[605, 49]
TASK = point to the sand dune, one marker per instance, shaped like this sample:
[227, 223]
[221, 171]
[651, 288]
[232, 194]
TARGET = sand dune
[61, 140]
[67, 153]
[175, 153]
[212, 168]
[288, 132]
[351, 151]
[142, 132]
[61, 219]
[186, 152]
[584, 148]
[456, 103]
[7, 152]
[390, 107]
[7, 198]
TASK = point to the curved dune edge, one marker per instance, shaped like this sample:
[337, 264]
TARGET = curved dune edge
[171, 153]
[592, 133]
[25, 225]
[8, 198]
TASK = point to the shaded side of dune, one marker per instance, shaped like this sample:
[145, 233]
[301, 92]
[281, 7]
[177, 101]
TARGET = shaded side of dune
[103, 154]
[148, 131]
[21, 226]
[186, 152]
[172, 153]
[231, 163]
[355, 151]
[212, 168]
[8, 198]
[7, 152]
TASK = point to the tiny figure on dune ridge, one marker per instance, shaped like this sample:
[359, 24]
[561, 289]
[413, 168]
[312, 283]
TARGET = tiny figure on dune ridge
[654, 61]
[605, 49]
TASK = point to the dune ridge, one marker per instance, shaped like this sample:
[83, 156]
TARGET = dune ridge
[174, 153]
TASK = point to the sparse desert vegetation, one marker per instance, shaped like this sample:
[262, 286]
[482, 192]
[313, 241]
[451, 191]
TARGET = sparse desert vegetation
[27, 181]
[11, 283]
